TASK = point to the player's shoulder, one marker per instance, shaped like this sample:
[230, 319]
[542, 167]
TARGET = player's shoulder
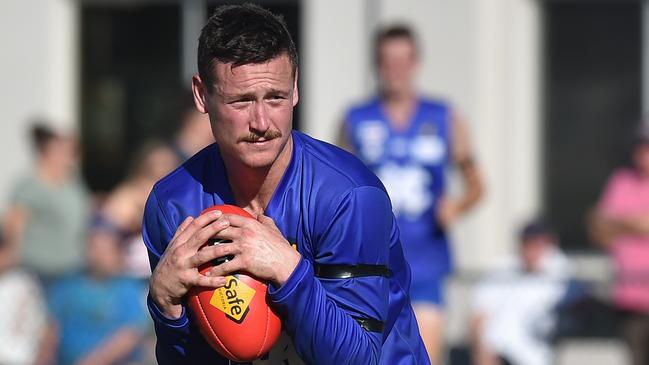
[434, 103]
[363, 109]
[335, 168]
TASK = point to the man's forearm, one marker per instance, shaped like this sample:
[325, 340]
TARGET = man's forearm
[322, 331]
[605, 229]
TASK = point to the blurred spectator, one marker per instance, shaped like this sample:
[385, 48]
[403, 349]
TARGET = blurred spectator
[123, 209]
[99, 313]
[195, 132]
[514, 314]
[409, 141]
[621, 224]
[23, 319]
[48, 211]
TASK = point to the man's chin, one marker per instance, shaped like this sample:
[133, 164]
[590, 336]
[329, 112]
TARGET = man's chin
[259, 160]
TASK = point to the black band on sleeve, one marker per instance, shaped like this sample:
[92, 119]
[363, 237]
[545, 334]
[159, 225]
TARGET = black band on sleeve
[350, 271]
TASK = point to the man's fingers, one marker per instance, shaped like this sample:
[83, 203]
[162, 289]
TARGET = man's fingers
[267, 221]
[209, 253]
[227, 267]
[201, 236]
[209, 281]
[229, 233]
[199, 223]
[182, 227]
[239, 221]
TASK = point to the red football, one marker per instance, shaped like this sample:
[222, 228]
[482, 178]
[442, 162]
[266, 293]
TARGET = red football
[236, 319]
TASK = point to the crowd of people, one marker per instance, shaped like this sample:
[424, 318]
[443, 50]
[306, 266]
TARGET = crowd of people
[73, 267]
[77, 273]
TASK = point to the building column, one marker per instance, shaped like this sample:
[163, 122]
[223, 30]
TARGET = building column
[194, 15]
[335, 63]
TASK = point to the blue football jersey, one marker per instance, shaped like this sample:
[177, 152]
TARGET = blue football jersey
[411, 163]
[337, 214]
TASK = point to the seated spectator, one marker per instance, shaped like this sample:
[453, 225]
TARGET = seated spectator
[23, 320]
[513, 310]
[99, 313]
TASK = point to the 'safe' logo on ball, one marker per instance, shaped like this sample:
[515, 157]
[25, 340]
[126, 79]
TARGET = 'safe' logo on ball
[233, 299]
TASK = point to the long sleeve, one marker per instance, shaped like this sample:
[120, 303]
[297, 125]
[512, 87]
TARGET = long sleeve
[179, 340]
[322, 314]
[172, 334]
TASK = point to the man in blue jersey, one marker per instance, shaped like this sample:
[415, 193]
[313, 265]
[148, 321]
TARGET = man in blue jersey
[324, 237]
[409, 141]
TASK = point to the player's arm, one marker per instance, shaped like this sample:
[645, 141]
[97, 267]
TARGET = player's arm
[340, 312]
[169, 251]
[335, 311]
[462, 157]
[171, 333]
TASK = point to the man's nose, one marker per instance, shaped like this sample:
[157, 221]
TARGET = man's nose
[260, 121]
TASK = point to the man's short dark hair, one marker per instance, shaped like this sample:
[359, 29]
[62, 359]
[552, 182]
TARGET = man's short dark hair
[393, 32]
[241, 35]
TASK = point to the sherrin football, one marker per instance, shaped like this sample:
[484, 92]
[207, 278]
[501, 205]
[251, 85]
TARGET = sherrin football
[236, 319]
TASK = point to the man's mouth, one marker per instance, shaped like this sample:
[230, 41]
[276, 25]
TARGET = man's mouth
[259, 141]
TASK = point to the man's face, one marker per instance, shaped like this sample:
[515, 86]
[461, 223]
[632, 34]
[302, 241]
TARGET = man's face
[251, 110]
[533, 251]
[397, 64]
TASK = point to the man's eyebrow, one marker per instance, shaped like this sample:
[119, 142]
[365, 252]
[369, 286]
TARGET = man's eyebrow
[278, 91]
[249, 95]
[231, 96]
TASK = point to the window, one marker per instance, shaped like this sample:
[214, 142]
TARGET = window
[592, 105]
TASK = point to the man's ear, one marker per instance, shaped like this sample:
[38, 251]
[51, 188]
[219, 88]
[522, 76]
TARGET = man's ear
[296, 94]
[199, 91]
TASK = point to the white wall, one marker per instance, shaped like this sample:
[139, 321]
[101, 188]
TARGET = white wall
[480, 55]
[506, 130]
[335, 58]
[38, 69]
